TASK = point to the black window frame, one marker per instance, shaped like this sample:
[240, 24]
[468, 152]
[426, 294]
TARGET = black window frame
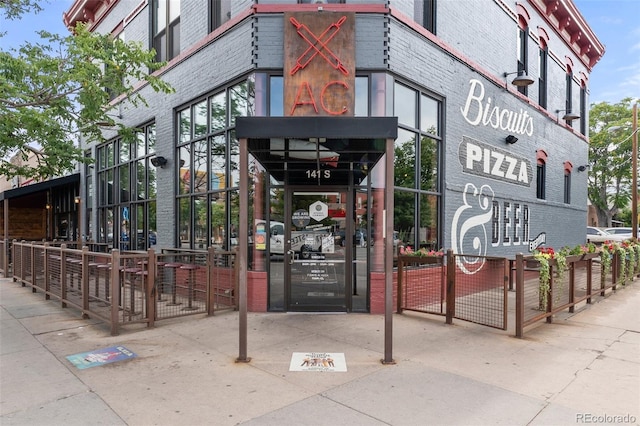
[541, 177]
[523, 48]
[167, 41]
[429, 15]
[542, 78]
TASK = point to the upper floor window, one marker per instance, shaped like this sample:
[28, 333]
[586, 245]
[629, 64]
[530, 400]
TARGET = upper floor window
[522, 55]
[541, 175]
[424, 13]
[583, 109]
[429, 15]
[542, 79]
[569, 93]
[219, 13]
[166, 29]
[115, 77]
[567, 187]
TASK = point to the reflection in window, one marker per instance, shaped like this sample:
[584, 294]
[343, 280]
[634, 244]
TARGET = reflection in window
[405, 159]
[218, 111]
[417, 162]
[429, 115]
[184, 222]
[184, 125]
[208, 155]
[362, 97]
[428, 164]
[200, 177]
[404, 105]
[184, 159]
[127, 188]
[276, 96]
[218, 162]
[200, 119]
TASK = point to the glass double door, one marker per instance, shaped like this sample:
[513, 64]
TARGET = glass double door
[319, 252]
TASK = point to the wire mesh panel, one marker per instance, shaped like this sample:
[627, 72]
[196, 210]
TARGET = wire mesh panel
[481, 297]
[422, 284]
[26, 265]
[181, 283]
[133, 293]
[53, 271]
[38, 267]
[17, 261]
[223, 280]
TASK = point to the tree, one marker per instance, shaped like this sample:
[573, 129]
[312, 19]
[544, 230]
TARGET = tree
[53, 90]
[609, 188]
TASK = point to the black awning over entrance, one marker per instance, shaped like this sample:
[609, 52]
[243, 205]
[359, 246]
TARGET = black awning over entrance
[294, 149]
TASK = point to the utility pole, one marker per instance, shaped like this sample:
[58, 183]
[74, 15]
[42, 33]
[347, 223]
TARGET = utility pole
[634, 175]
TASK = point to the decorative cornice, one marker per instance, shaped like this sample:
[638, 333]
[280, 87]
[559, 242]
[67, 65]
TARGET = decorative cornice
[570, 25]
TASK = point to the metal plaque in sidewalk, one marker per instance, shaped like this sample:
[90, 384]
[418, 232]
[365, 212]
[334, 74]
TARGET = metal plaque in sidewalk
[318, 361]
[100, 357]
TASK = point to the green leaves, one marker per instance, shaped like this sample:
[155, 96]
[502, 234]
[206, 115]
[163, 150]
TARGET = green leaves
[56, 89]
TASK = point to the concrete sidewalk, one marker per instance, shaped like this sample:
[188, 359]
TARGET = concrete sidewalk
[583, 368]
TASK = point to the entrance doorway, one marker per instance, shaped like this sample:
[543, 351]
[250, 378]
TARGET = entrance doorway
[315, 260]
[319, 204]
[320, 245]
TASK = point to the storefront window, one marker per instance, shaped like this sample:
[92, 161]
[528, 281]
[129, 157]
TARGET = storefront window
[417, 162]
[127, 188]
[208, 153]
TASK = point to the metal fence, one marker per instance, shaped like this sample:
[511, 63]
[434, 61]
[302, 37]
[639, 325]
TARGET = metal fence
[129, 287]
[441, 285]
[447, 286]
[583, 281]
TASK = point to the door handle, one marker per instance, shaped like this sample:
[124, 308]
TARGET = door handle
[291, 255]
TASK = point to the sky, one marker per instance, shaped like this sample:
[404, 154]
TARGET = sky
[616, 23]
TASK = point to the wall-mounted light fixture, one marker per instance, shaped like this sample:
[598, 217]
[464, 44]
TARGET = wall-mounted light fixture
[76, 199]
[511, 139]
[159, 161]
[583, 168]
[568, 116]
[522, 80]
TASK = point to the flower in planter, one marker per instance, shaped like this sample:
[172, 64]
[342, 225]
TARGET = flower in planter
[423, 252]
[545, 256]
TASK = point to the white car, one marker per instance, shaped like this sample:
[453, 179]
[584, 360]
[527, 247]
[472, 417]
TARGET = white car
[599, 236]
[620, 230]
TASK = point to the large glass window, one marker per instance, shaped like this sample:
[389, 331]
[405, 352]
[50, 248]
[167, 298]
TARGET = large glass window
[166, 28]
[127, 192]
[208, 157]
[417, 161]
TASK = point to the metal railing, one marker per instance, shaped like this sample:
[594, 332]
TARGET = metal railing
[439, 285]
[442, 285]
[583, 280]
[129, 287]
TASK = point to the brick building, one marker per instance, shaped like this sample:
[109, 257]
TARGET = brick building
[485, 102]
